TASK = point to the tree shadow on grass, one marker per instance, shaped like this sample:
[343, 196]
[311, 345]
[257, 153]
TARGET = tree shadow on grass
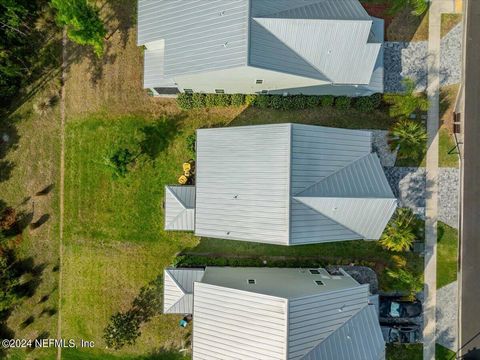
[157, 136]
[9, 138]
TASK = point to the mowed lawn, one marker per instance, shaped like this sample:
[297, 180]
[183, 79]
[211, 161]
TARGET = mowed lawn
[447, 255]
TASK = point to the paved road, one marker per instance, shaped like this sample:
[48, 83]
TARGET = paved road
[470, 208]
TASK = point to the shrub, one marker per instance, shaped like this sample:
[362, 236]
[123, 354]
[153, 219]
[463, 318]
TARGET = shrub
[364, 104]
[399, 233]
[198, 100]
[312, 101]
[210, 100]
[404, 279]
[410, 137]
[238, 99]
[223, 100]
[326, 100]
[408, 102]
[376, 100]
[299, 102]
[191, 143]
[343, 102]
[42, 107]
[250, 99]
[119, 162]
[185, 101]
[263, 101]
[277, 102]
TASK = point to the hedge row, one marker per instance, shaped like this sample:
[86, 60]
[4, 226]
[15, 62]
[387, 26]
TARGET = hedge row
[191, 261]
[279, 102]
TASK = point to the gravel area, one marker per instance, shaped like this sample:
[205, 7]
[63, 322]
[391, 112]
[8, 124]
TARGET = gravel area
[446, 313]
[362, 274]
[381, 147]
[409, 59]
[408, 185]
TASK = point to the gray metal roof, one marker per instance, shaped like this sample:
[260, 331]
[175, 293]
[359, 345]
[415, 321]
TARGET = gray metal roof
[237, 320]
[179, 207]
[320, 39]
[290, 184]
[359, 338]
[178, 290]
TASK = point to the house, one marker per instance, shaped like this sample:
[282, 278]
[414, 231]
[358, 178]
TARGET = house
[284, 184]
[275, 313]
[310, 47]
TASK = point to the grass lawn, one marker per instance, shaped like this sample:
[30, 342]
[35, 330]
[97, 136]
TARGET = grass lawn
[405, 352]
[449, 21]
[32, 154]
[442, 353]
[447, 252]
[448, 152]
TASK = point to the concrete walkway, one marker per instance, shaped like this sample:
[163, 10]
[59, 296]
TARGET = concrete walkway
[431, 210]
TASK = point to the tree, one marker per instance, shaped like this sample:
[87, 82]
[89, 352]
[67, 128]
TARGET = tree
[409, 137]
[399, 233]
[83, 23]
[120, 161]
[407, 102]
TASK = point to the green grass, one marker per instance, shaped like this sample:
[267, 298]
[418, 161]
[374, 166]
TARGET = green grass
[405, 352]
[442, 353]
[447, 252]
[449, 21]
[448, 152]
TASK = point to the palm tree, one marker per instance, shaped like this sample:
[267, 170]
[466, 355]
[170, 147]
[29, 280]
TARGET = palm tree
[399, 234]
[407, 102]
[409, 137]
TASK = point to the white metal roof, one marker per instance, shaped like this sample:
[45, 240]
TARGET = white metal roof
[289, 184]
[319, 39]
[246, 321]
[179, 207]
[178, 290]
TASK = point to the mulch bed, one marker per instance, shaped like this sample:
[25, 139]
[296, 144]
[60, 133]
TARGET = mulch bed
[379, 10]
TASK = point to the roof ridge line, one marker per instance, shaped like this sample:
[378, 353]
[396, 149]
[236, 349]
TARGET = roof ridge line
[332, 174]
[176, 197]
[176, 282]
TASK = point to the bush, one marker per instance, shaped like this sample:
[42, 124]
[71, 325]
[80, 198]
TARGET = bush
[277, 102]
[298, 102]
[312, 101]
[119, 162]
[376, 100]
[250, 99]
[326, 100]
[223, 100]
[238, 99]
[185, 101]
[399, 233]
[343, 102]
[191, 143]
[263, 101]
[410, 138]
[364, 104]
[198, 101]
[210, 100]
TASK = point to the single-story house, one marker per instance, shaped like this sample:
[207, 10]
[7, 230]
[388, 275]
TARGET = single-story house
[311, 47]
[284, 184]
[275, 313]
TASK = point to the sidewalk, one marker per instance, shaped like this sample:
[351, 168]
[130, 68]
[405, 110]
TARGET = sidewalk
[437, 7]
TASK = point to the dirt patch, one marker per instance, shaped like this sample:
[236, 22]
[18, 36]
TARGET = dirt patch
[379, 10]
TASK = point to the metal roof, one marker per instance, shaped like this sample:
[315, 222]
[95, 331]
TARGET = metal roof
[276, 319]
[179, 207]
[359, 338]
[178, 290]
[289, 184]
[320, 39]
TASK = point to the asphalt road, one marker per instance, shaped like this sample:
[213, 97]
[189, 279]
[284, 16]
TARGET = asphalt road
[469, 341]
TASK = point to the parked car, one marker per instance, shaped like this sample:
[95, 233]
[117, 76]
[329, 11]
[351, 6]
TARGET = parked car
[396, 308]
[401, 334]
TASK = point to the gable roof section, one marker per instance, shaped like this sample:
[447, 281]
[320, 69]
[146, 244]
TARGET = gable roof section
[178, 290]
[233, 324]
[179, 207]
[359, 338]
[242, 182]
[199, 35]
[338, 49]
[313, 319]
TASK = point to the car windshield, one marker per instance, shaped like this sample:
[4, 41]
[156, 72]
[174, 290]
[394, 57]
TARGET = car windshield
[395, 309]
